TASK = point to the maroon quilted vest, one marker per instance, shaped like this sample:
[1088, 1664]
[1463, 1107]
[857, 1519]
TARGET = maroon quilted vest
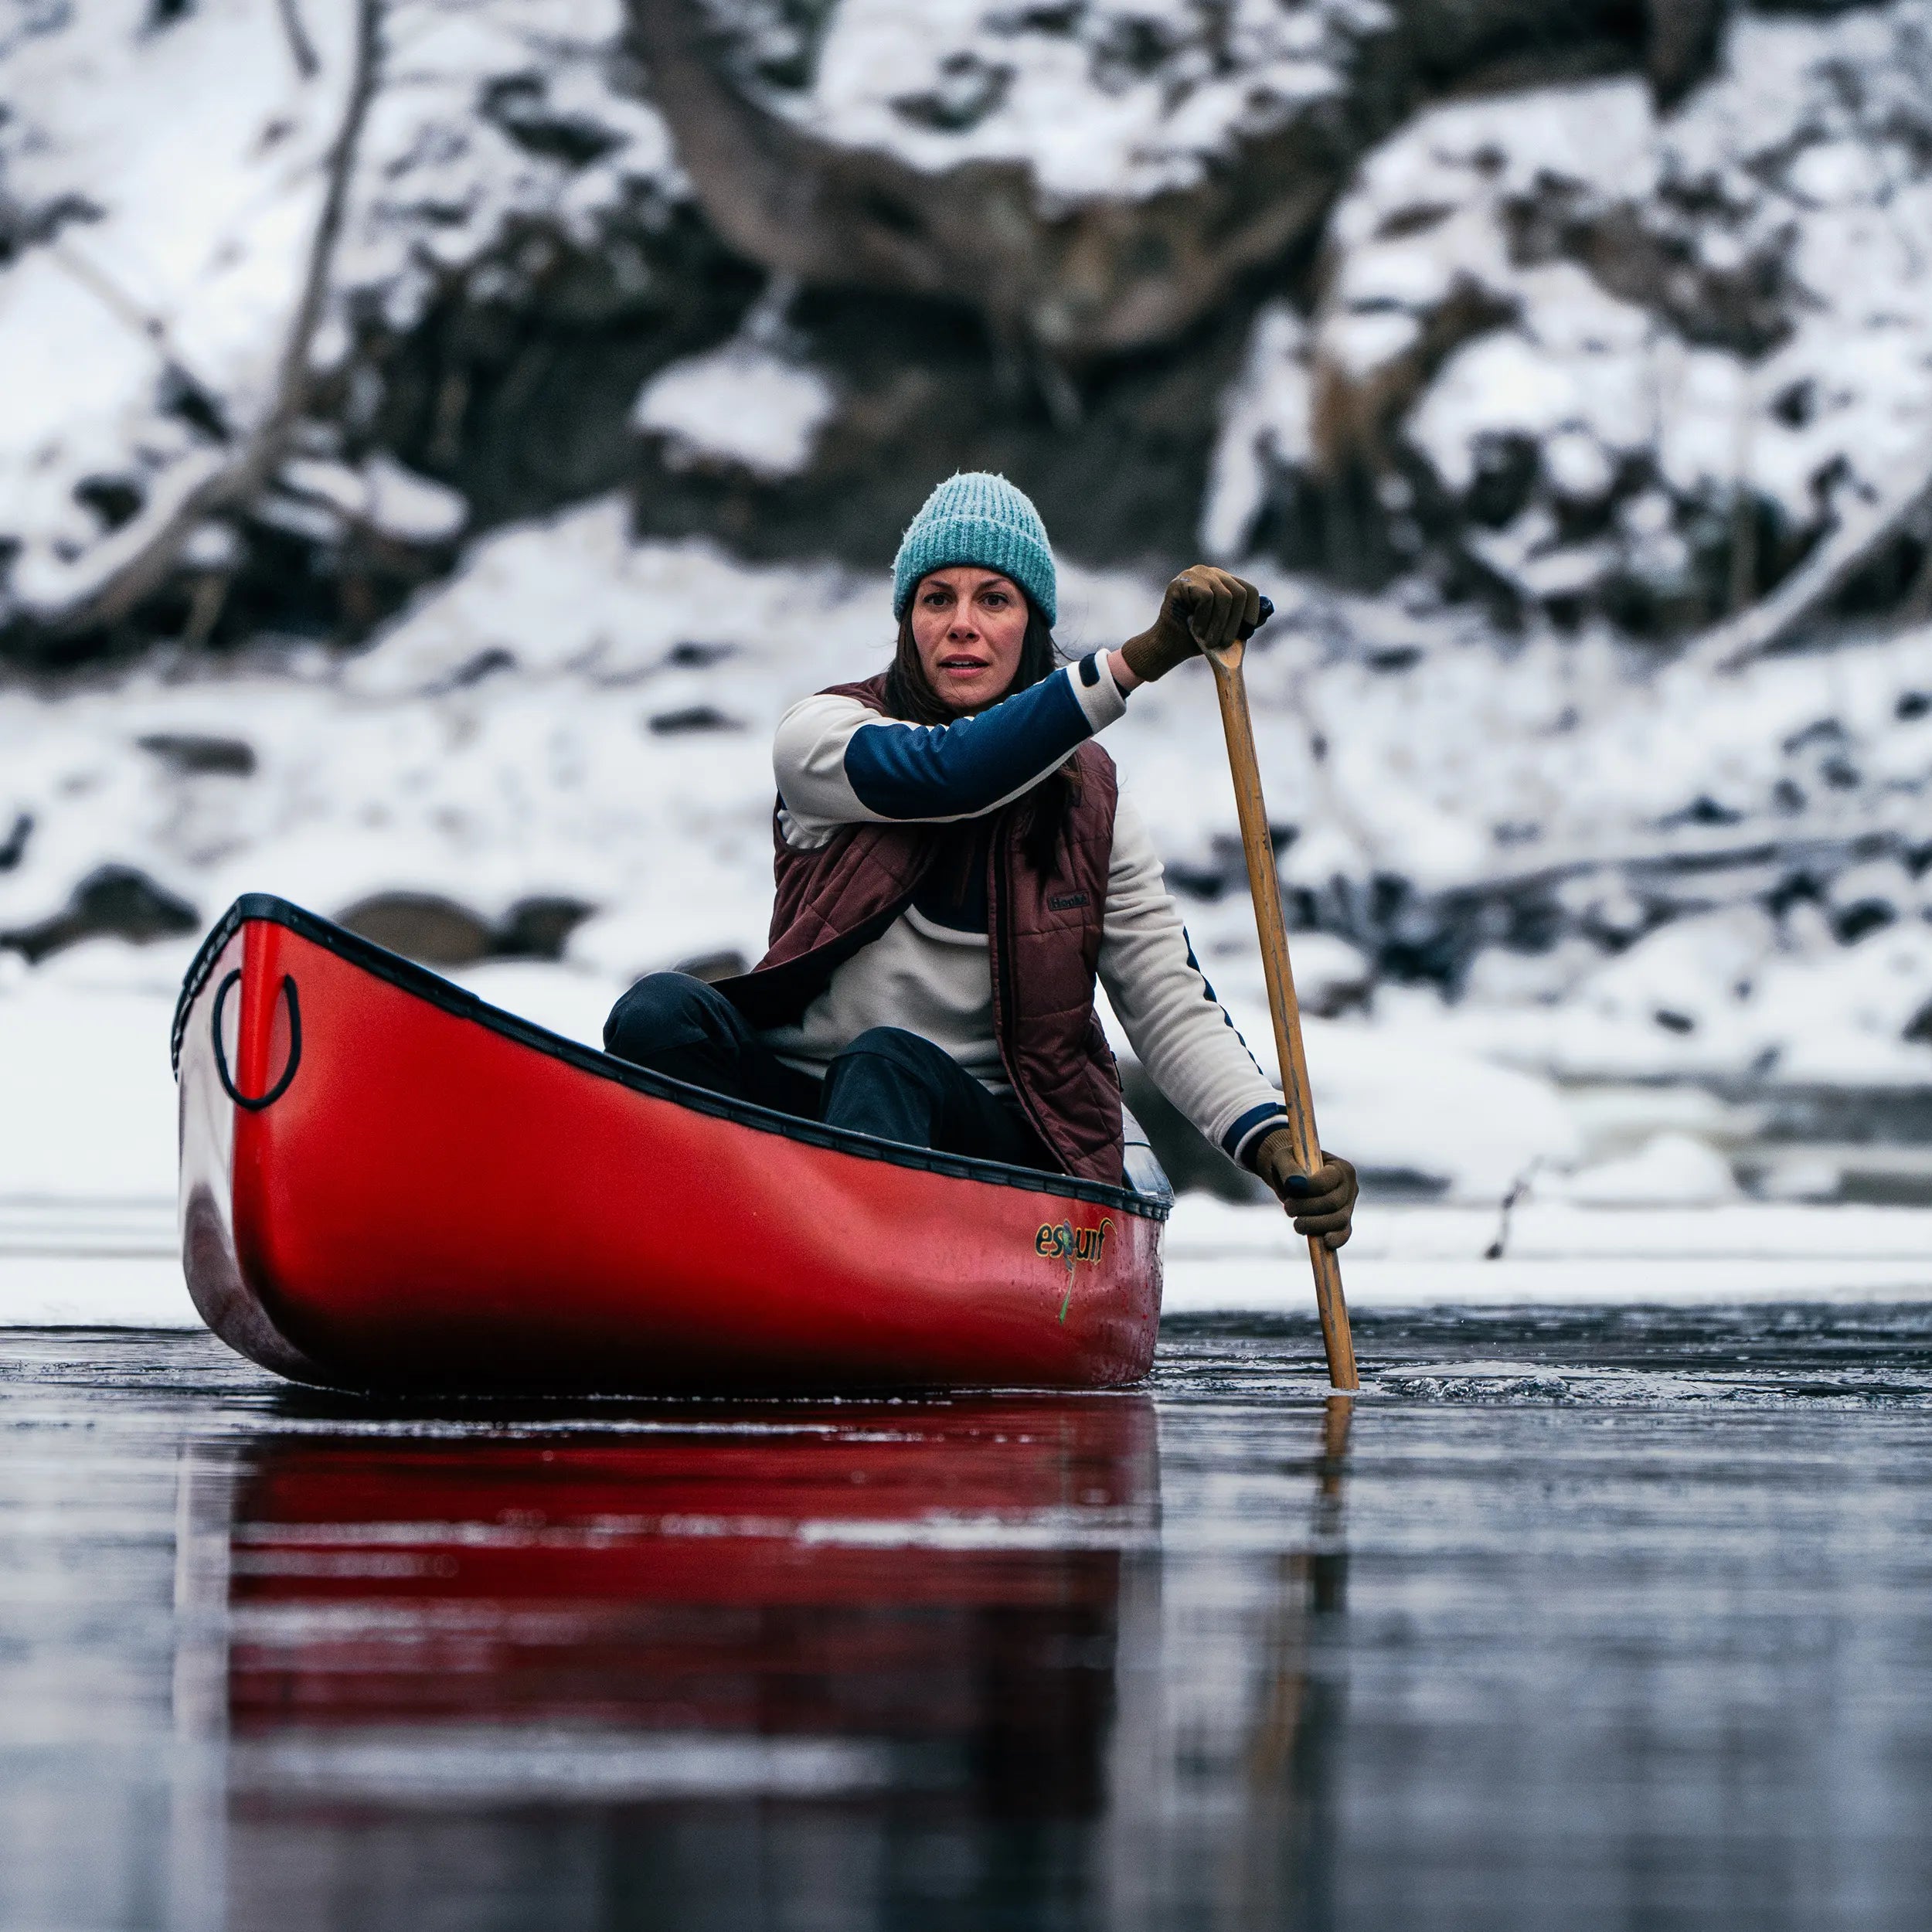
[1044, 931]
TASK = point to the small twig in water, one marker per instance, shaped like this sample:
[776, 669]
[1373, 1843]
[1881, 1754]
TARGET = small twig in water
[1518, 1189]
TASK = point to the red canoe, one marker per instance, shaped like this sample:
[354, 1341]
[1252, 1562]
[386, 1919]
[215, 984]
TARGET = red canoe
[387, 1184]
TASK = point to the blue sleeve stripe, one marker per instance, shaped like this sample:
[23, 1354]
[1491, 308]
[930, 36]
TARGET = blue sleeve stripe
[1214, 999]
[952, 771]
[1255, 1117]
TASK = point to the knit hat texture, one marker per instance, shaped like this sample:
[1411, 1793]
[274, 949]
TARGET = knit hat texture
[978, 518]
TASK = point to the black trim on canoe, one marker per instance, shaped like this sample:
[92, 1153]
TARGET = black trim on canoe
[410, 977]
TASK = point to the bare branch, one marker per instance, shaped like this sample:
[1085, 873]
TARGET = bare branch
[148, 565]
[303, 48]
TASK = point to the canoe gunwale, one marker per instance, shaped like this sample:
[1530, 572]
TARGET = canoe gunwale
[420, 981]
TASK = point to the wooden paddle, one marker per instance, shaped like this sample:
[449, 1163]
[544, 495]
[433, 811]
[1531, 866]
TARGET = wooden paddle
[1265, 885]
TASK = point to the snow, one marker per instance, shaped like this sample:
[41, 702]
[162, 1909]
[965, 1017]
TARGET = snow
[571, 712]
[739, 405]
[380, 496]
[1673, 1168]
[1392, 1097]
[1224, 1260]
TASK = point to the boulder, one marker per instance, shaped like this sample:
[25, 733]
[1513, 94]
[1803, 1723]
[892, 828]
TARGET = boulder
[440, 931]
[118, 902]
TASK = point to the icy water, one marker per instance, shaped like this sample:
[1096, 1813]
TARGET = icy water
[1615, 1619]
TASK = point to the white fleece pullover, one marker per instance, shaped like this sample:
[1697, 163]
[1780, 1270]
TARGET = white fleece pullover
[838, 762]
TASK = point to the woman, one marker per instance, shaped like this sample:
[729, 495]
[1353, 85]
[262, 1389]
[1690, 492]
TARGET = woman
[956, 866]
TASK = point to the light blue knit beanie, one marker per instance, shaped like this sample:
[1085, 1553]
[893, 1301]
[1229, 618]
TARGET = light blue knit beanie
[978, 518]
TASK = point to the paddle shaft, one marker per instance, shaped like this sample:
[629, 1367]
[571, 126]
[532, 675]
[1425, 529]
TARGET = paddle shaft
[1266, 887]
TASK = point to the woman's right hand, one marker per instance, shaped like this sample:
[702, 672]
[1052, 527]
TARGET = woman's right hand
[1204, 609]
[1321, 1204]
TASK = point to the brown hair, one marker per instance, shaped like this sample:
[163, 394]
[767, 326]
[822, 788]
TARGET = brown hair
[910, 694]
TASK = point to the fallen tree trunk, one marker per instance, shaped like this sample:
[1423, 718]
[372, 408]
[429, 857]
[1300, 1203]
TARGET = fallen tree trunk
[1840, 557]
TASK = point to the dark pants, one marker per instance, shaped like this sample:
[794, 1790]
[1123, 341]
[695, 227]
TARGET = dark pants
[888, 1083]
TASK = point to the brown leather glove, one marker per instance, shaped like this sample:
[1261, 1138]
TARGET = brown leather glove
[1203, 607]
[1323, 1202]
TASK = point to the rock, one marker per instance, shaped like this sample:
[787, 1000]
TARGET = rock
[440, 932]
[119, 902]
[1033, 248]
[802, 183]
[13, 848]
[526, 254]
[739, 408]
[697, 717]
[158, 351]
[382, 499]
[192, 754]
[539, 928]
[1863, 898]
[421, 926]
[518, 252]
[1331, 977]
[1113, 456]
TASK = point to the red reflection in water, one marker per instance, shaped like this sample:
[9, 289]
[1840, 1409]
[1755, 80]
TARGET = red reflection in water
[944, 1576]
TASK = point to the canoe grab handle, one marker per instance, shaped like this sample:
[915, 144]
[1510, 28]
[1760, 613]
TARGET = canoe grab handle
[295, 1047]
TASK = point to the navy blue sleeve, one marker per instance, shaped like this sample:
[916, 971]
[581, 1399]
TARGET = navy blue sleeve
[955, 771]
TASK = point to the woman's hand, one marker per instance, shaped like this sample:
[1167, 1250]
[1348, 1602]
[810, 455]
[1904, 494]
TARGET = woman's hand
[1204, 609]
[1323, 1202]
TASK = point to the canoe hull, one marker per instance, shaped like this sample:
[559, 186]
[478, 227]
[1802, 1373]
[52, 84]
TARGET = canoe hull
[440, 1198]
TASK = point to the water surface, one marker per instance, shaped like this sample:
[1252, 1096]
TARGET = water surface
[1588, 1618]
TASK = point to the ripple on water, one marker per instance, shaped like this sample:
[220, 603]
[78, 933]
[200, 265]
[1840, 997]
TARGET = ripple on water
[1876, 1357]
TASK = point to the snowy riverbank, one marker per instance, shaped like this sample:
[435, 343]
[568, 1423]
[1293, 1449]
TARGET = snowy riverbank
[73, 1261]
[565, 751]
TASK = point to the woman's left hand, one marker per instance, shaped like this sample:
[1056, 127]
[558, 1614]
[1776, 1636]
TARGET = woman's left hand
[1323, 1202]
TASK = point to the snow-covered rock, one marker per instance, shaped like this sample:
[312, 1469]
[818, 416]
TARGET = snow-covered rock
[1613, 358]
[505, 137]
[739, 407]
[381, 497]
[147, 305]
[1114, 99]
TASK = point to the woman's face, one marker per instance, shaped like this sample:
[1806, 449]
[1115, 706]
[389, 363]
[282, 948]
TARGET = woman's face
[969, 625]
